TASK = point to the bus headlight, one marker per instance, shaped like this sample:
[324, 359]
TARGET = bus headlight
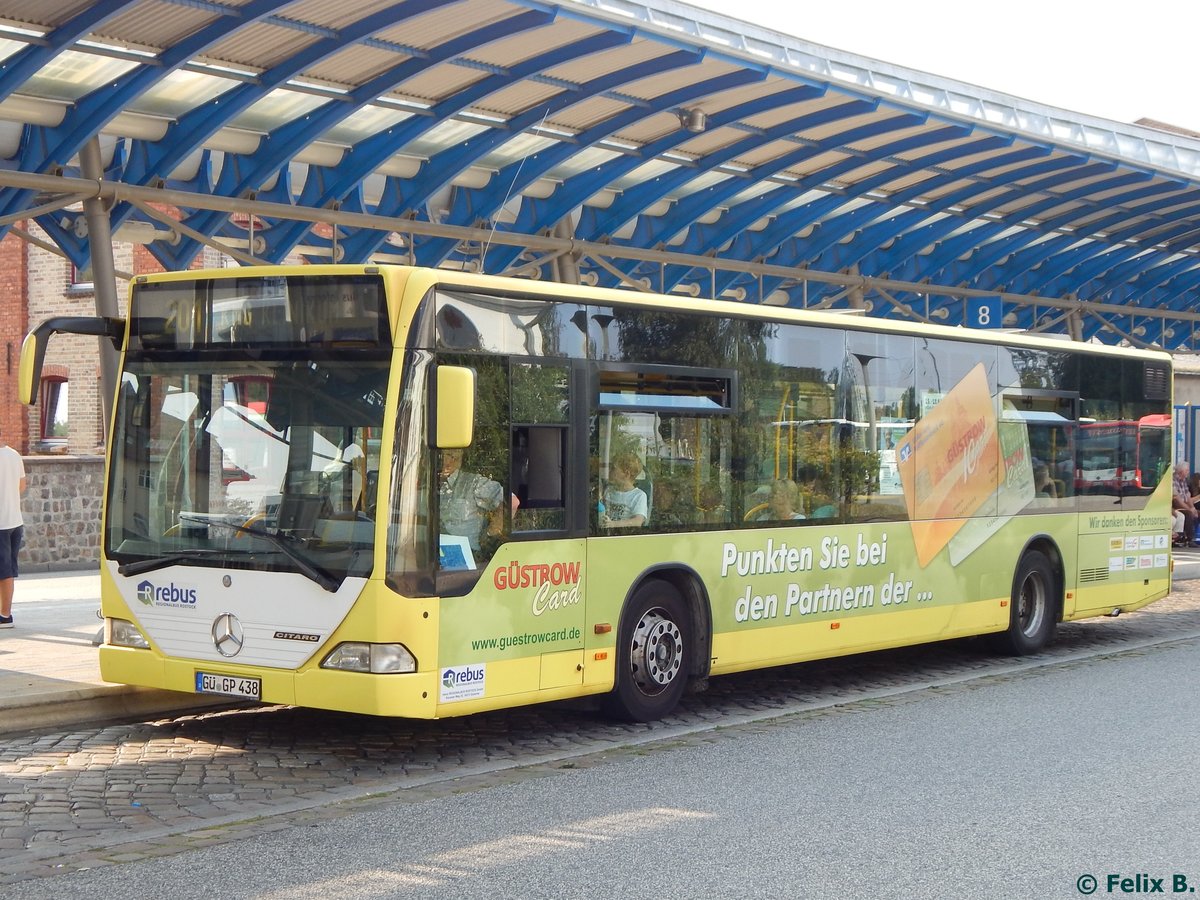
[378, 659]
[125, 634]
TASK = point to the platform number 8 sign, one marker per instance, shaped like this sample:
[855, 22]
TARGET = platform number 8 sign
[985, 312]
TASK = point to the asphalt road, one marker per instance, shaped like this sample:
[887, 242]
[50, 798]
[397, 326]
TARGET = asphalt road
[1018, 784]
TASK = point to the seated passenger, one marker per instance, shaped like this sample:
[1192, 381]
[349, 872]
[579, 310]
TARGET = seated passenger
[625, 506]
[468, 502]
[668, 513]
[781, 502]
[1043, 484]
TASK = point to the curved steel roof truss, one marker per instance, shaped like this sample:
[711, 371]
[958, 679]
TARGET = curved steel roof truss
[644, 144]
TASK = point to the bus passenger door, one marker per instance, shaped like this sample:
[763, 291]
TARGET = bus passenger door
[551, 573]
[546, 465]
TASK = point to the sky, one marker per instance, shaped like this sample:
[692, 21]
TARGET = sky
[1118, 61]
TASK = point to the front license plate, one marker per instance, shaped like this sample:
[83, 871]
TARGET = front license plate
[230, 685]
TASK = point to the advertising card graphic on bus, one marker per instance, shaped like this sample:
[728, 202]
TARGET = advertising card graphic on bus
[1013, 494]
[949, 463]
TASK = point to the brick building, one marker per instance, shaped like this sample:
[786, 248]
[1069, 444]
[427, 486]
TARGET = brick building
[67, 419]
[14, 283]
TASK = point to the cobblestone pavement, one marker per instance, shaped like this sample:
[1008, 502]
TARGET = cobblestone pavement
[105, 795]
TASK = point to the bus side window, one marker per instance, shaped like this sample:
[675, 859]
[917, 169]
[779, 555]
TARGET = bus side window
[538, 435]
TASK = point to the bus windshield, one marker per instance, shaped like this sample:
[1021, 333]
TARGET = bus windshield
[263, 460]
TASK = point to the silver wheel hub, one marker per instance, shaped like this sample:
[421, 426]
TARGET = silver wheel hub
[656, 653]
[1032, 605]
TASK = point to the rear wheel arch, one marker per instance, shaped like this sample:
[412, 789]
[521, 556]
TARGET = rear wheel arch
[690, 586]
[663, 642]
[1049, 548]
[1035, 601]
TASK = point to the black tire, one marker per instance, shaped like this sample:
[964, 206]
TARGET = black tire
[1033, 610]
[653, 646]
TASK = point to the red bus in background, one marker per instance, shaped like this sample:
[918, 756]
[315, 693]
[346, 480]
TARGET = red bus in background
[1129, 456]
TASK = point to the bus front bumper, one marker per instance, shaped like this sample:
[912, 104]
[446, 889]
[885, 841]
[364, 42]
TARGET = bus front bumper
[410, 695]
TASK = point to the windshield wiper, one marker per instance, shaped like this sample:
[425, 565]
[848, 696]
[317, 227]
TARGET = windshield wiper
[310, 569]
[140, 566]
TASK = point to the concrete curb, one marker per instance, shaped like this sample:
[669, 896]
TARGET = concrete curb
[92, 705]
[81, 567]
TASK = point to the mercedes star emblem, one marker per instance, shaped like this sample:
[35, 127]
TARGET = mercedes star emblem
[227, 634]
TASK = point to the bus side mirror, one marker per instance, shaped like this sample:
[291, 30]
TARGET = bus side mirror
[33, 349]
[454, 411]
[29, 373]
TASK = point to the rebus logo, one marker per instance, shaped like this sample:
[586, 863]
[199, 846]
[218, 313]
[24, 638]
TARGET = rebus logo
[167, 595]
[463, 683]
[462, 675]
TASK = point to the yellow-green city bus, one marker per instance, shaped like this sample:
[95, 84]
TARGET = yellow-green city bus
[422, 493]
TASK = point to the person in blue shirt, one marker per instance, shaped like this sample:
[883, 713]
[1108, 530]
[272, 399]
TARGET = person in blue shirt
[625, 506]
[467, 502]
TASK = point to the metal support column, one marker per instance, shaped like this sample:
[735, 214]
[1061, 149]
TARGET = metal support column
[566, 264]
[856, 296]
[104, 274]
[1075, 320]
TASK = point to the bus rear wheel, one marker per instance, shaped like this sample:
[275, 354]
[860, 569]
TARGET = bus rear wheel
[1033, 611]
[652, 654]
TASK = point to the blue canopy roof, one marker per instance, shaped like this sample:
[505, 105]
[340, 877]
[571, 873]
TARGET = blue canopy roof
[651, 145]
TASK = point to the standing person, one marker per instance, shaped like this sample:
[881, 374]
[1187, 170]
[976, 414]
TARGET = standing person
[12, 525]
[1181, 501]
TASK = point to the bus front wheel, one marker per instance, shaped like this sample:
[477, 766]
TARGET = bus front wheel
[1033, 610]
[652, 649]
